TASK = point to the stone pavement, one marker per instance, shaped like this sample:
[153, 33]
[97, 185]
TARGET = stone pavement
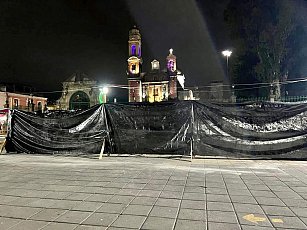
[146, 192]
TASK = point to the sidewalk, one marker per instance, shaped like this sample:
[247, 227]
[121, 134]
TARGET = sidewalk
[142, 192]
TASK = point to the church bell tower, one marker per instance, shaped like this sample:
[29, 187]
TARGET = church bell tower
[134, 65]
[172, 71]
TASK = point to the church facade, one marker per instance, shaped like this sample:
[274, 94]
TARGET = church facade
[155, 85]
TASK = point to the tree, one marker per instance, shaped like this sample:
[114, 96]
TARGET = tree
[261, 30]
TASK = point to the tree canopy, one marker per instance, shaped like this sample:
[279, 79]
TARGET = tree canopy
[265, 36]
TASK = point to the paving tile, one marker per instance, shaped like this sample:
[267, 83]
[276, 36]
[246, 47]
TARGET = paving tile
[215, 185]
[248, 208]
[6, 223]
[149, 193]
[135, 185]
[219, 206]
[129, 221]
[223, 226]
[258, 187]
[193, 204]
[48, 214]
[129, 192]
[78, 196]
[18, 212]
[298, 203]
[22, 201]
[254, 219]
[194, 196]
[100, 219]
[240, 192]
[269, 201]
[73, 217]
[87, 206]
[110, 191]
[277, 211]
[7, 199]
[190, 225]
[288, 222]
[37, 193]
[112, 208]
[257, 193]
[168, 202]
[42, 203]
[88, 227]
[195, 189]
[218, 198]
[156, 187]
[218, 191]
[286, 195]
[140, 210]
[29, 224]
[97, 183]
[171, 194]
[57, 195]
[167, 212]
[192, 214]
[301, 212]
[60, 226]
[256, 227]
[144, 200]
[222, 217]
[158, 223]
[177, 188]
[117, 199]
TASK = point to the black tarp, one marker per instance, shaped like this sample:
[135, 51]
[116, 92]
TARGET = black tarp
[80, 132]
[146, 128]
[167, 127]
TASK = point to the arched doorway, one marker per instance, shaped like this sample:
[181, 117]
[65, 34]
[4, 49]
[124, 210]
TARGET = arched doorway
[79, 100]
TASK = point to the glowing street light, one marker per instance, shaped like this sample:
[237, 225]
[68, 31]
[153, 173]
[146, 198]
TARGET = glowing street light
[227, 54]
[105, 90]
[103, 95]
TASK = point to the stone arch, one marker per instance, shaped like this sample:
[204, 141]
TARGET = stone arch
[79, 100]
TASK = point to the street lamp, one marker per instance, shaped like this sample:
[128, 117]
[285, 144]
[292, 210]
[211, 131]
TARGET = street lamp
[103, 95]
[227, 54]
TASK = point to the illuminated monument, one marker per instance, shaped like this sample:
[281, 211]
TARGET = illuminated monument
[156, 85]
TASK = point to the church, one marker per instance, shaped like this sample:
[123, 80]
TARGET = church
[155, 85]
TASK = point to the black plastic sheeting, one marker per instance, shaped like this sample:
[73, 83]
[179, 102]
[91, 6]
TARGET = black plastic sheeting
[81, 132]
[167, 127]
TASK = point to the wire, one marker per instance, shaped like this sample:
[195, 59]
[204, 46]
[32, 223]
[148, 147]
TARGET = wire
[193, 88]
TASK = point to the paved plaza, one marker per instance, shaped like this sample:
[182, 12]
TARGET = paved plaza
[151, 192]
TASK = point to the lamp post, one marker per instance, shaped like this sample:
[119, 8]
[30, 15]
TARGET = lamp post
[227, 54]
[103, 95]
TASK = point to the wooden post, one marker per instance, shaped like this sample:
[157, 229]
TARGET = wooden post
[191, 149]
[102, 149]
[2, 146]
[192, 125]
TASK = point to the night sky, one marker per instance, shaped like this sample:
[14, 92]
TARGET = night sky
[42, 43]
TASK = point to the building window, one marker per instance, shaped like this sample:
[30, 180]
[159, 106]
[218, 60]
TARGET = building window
[156, 92]
[133, 50]
[171, 65]
[16, 103]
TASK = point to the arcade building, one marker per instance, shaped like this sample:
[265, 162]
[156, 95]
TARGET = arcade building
[155, 85]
